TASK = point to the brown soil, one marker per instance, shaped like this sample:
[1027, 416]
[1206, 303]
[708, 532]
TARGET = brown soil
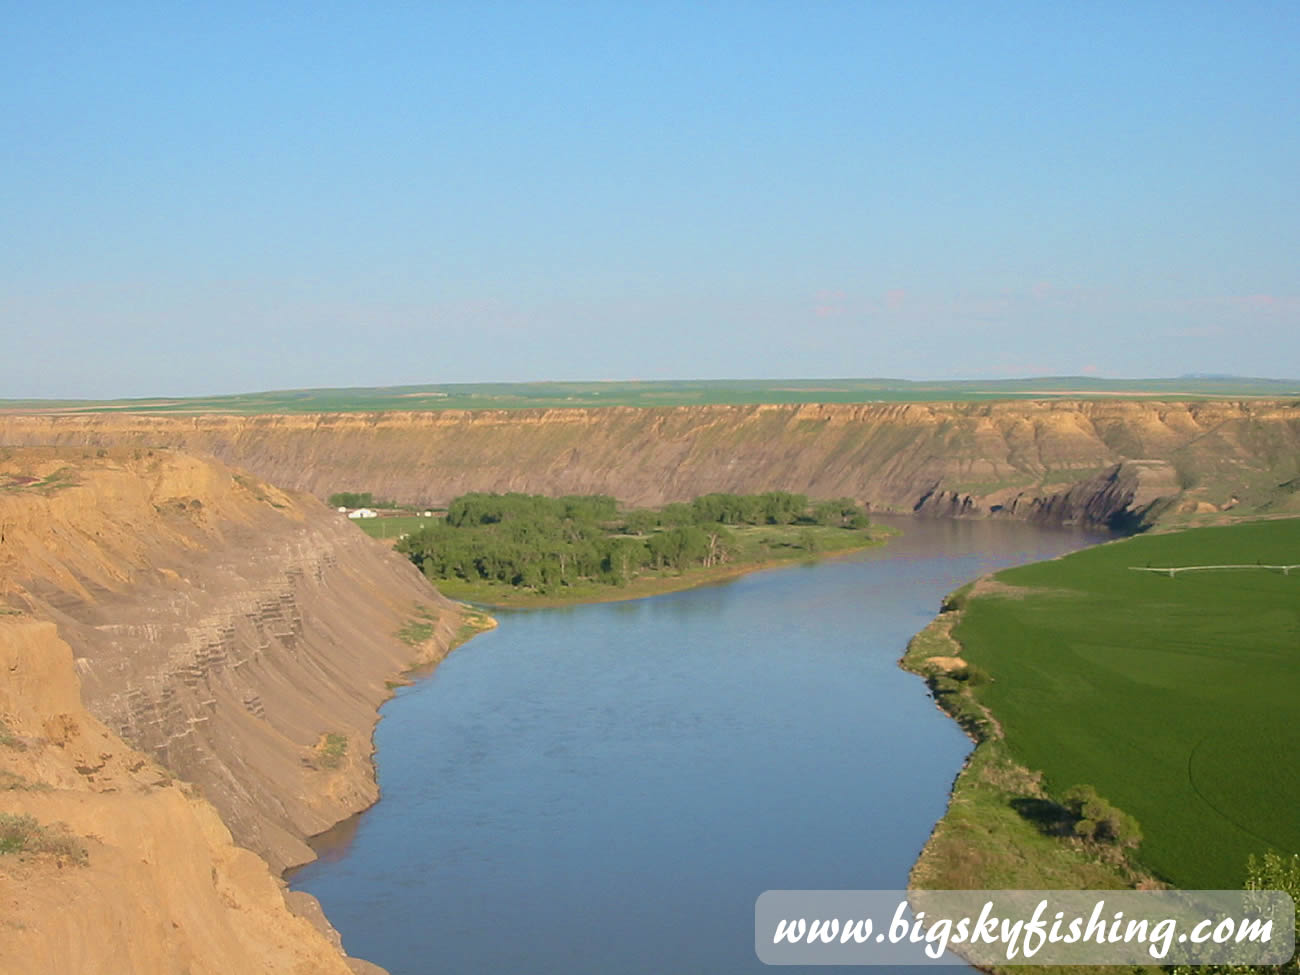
[168, 620]
[164, 887]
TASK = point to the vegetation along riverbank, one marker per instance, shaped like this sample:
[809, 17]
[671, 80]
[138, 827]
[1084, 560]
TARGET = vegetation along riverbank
[1155, 712]
[530, 550]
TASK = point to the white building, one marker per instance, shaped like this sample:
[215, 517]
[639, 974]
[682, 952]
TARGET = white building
[363, 513]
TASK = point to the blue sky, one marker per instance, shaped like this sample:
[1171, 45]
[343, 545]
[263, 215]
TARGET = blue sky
[229, 197]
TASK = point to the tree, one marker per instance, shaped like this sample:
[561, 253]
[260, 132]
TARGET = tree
[640, 521]
[828, 513]
[621, 558]
[720, 543]
[782, 507]
[1272, 871]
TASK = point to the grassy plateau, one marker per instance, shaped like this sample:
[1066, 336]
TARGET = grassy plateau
[472, 396]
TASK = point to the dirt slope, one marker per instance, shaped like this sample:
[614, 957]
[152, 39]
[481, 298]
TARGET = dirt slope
[220, 625]
[1086, 461]
[241, 639]
[164, 888]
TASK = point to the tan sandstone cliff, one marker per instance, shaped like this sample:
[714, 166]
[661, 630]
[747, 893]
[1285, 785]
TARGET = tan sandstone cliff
[1096, 462]
[166, 621]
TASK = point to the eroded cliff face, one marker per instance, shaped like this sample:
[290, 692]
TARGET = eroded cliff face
[222, 626]
[167, 618]
[1096, 462]
[163, 888]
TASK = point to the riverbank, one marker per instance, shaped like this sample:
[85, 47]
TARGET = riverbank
[418, 633]
[1157, 691]
[999, 831]
[993, 834]
[1148, 686]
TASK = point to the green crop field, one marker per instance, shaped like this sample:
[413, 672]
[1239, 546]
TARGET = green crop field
[1177, 698]
[476, 396]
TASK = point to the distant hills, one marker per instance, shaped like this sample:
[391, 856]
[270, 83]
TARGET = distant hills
[690, 392]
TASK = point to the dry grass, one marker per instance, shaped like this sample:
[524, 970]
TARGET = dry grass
[8, 739]
[13, 782]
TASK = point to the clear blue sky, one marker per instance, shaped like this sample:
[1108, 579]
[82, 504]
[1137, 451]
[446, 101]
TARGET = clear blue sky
[202, 198]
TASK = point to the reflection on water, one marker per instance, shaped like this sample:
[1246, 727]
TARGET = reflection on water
[608, 788]
[336, 842]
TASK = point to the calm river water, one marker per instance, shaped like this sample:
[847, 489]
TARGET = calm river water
[608, 788]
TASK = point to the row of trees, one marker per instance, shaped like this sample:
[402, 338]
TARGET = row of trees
[769, 508]
[490, 509]
[358, 499]
[540, 543]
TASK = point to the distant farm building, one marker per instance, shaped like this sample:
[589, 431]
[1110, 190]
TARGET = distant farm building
[363, 513]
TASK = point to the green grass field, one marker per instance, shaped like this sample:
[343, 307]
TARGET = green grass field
[392, 526]
[1176, 698]
[668, 393]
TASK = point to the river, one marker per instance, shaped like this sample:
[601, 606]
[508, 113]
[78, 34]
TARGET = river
[608, 788]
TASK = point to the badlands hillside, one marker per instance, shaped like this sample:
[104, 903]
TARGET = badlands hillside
[190, 666]
[1098, 462]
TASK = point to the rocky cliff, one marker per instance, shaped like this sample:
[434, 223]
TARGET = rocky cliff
[1097, 462]
[167, 619]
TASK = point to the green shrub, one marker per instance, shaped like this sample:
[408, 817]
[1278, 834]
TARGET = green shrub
[970, 674]
[956, 599]
[332, 749]
[24, 834]
[1099, 820]
[961, 707]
